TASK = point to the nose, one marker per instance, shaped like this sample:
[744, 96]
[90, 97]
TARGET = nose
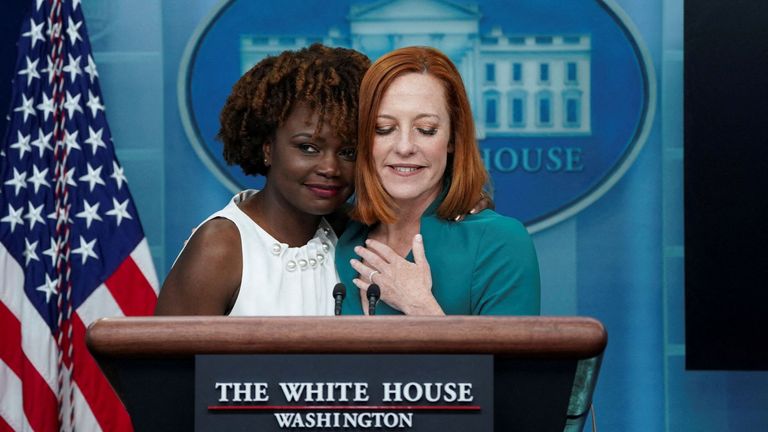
[405, 145]
[328, 165]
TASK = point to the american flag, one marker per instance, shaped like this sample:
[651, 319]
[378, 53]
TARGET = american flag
[72, 249]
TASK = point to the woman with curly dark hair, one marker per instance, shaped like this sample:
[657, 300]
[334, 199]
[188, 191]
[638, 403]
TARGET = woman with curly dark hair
[293, 119]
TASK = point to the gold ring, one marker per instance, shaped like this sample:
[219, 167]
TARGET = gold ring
[370, 277]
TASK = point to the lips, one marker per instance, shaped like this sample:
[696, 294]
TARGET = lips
[325, 190]
[405, 170]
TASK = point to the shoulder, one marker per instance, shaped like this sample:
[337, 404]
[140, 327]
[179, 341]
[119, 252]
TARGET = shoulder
[216, 230]
[217, 239]
[206, 275]
[506, 276]
[498, 224]
[493, 226]
[498, 238]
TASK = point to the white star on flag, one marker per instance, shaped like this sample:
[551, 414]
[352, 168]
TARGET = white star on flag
[30, 252]
[26, 107]
[53, 28]
[91, 69]
[93, 177]
[95, 139]
[86, 249]
[52, 251]
[72, 31]
[94, 103]
[72, 104]
[119, 210]
[46, 106]
[31, 70]
[89, 213]
[73, 67]
[49, 288]
[43, 142]
[50, 70]
[22, 144]
[38, 178]
[118, 174]
[34, 215]
[35, 30]
[70, 140]
[19, 181]
[69, 176]
[14, 217]
[59, 216]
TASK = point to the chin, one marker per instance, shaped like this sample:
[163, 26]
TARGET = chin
[408, 194]
[322, 210]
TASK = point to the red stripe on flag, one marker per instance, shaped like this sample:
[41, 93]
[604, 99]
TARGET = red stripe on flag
[10, 349]
[40, 405]
[131, 290]
[4, 427]
[107, 408]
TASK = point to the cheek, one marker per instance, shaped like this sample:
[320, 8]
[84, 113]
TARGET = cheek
[379, 149]
[441, 154]
[347, 171]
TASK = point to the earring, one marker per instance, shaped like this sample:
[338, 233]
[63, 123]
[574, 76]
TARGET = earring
[266, 163]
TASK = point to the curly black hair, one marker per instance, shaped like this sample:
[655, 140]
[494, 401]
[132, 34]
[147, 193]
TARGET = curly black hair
[327, 79]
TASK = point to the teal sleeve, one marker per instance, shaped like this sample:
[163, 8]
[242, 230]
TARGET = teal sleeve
[505, 279]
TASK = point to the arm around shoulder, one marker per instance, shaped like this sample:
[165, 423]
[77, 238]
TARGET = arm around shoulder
[206, 277]
[506, 271]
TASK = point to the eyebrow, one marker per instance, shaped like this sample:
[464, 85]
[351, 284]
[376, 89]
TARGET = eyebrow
[420, 116]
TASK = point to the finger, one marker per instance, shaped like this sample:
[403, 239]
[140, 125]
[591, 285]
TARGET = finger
[485, 202]
[363, 285]
[382, 250]
[491, 205]
[360, 268]
[371, 258]
[419, 256]
[363, 288]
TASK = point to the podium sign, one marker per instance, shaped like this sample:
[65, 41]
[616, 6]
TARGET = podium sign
[544, 369]
[437, 393]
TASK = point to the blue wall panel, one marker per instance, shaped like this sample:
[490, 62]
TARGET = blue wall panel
[619, 260]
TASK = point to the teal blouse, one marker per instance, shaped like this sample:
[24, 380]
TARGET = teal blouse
[483, 265]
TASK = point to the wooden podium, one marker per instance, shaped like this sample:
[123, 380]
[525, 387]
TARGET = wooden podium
[545, 368]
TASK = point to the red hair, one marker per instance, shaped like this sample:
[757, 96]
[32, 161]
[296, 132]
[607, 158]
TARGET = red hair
[465, 171]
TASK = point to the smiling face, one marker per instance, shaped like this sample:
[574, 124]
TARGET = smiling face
[412, 141]
[309, 172]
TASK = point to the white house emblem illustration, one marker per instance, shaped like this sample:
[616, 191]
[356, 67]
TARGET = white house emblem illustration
[563, 94]
[518, 84]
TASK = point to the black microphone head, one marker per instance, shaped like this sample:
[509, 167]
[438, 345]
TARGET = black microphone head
[373, 291]
[339, 290]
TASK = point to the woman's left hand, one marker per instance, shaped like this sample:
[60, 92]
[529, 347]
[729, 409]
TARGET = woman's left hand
[484, 202]
[405, 285]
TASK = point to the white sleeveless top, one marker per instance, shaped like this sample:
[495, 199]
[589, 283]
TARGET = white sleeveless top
[277, 279]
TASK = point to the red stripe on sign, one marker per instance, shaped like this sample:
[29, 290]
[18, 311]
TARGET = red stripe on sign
[39, 401]
[344, 408]
[105, 405]
[131, 290]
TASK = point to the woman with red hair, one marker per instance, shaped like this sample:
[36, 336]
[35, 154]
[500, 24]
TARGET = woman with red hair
[418, 169]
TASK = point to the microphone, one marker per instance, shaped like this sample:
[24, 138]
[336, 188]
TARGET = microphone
[339, 292]
[373, 294]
